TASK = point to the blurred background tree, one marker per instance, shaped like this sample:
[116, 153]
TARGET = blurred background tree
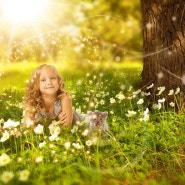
[78, 30]
[164, 49]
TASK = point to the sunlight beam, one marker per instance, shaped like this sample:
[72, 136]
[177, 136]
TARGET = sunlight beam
[23, 10]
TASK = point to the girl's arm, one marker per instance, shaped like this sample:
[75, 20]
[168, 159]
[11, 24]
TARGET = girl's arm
[66, 116]
[27, 119]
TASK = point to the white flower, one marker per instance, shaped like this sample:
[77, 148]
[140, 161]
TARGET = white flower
[39, 129]
[130, 88]
[146, 115]
[38, 159]
[29, 123]
[77, 146]
[6, 176]
[9, 123]
[172, 104]
[74, 129]
[137, 92]
[4, 159]
[85, 132]
[67, 145]
[54, 129]
[171, 92]
[112, 100]
[161, 89]
[131, 113]
[54, 123]
[102, 102]
[140, 101]
[24, 175]
[177, 90]
[150, 86]
[86, 99]
[42, 144]
[94, 140]
[122, 86]
[53, 137]
[147, 93]
[134, 96]
[111, 112]
[98, 95]
[161, 100]
[81, 123]
[79, 109]
[88, 143]
[51, 145]
[79, 82]
[157, 106]
[5, 136]
[129, 97]
[120, 96]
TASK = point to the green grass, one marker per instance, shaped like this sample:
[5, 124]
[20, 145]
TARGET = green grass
[15, 75]
[145, 148]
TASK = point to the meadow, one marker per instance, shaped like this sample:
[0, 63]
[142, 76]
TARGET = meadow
[142, 147]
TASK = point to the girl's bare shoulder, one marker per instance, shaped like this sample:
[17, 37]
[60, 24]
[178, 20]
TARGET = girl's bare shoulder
[66, 97]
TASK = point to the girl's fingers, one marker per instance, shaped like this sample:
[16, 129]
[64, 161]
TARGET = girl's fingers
[63, 117]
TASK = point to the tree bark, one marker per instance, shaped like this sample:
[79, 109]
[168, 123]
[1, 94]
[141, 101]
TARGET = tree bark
[164, 47]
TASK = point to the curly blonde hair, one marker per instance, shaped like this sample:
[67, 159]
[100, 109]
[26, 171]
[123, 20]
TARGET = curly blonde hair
[32, 101]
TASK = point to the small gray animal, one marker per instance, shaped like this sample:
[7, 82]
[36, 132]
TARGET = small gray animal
[97, 120]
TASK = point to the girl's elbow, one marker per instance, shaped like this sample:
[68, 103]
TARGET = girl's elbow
[70, 121]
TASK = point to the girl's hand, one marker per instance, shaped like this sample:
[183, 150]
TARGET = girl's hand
[63, 118]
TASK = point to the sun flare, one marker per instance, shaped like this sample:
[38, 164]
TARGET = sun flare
[23, 10]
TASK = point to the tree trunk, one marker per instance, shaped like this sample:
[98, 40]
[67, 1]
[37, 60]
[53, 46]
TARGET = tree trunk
[164, 47]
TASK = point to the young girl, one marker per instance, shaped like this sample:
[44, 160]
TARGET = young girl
[46, 97]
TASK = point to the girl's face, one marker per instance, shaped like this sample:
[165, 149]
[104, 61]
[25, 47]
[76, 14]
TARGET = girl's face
[49, 83]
